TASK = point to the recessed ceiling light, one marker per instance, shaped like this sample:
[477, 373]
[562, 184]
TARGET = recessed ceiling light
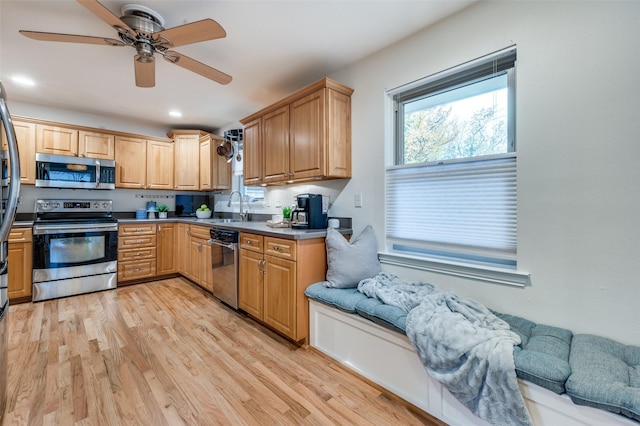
[175, 113]
[23, 81]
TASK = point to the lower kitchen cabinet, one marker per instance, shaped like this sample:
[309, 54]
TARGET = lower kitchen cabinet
[20, 259]
[136, 251]
[274, 272]
[166, 241]
[198, 266]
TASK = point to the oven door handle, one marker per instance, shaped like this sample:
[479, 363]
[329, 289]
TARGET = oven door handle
[87, 227]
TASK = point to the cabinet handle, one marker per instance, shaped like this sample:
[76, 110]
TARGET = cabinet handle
[137, 270]
[278, 248]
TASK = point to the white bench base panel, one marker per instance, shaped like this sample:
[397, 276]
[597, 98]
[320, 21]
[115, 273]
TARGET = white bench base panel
[388, 359]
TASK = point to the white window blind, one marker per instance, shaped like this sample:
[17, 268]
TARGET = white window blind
[460, 209]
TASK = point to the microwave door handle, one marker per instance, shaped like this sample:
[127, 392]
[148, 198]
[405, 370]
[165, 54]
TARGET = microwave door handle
[14, 159]
[97, 173]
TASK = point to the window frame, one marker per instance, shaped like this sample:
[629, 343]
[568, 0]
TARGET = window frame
[449, 79]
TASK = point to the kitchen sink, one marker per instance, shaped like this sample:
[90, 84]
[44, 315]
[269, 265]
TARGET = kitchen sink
[221, 220]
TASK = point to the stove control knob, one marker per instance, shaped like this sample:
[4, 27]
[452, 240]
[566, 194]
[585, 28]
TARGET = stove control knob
[96, 205]
[55, 205]
[105, 204]
[45, 205]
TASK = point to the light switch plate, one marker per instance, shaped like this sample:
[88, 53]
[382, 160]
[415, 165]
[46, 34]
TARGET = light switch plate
[357, 200]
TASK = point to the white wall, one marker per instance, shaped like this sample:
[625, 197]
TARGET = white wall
[578, 106]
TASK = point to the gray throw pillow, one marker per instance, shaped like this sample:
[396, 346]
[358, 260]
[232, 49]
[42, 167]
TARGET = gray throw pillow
[348, 263]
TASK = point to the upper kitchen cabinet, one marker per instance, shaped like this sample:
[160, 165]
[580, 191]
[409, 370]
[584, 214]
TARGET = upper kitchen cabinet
[96, 145]
[198, 167]
[26, 139]
[252, 167]
[306, 136]
[160, 164]
[186, 159]
[61, 140]
[144, 163]
[215, 172]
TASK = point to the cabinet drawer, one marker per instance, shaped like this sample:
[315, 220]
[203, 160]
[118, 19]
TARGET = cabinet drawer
[285, 249]
[136, 229]
[136, 254]
[201, 232]
[137, 269]
[251, 242]
[137, 241]
[21, 235]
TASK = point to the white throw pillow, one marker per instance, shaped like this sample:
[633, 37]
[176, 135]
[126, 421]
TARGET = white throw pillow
[348, 263]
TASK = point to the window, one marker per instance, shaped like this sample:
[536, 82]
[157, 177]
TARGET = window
[451, 187]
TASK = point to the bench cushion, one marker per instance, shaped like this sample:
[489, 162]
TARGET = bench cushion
[385, 315]
[344, 299]
[605, 374]
[543, 356]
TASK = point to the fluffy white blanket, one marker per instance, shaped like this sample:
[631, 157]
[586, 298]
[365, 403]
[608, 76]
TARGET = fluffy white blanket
[461, 344]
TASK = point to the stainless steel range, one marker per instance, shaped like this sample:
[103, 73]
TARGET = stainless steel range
[75, 248]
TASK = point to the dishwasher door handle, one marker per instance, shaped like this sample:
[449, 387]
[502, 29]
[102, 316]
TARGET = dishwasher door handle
[230, 246]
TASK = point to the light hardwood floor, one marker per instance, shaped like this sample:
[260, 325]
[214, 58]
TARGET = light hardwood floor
[165, 353]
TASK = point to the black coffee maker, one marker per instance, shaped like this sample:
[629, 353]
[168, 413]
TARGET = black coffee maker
[310, 212]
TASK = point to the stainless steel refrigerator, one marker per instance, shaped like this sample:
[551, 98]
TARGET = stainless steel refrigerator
[10, 192]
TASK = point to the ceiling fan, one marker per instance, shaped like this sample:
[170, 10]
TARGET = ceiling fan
[142, 28]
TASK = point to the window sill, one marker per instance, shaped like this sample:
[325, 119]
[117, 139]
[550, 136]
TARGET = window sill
[481, 273]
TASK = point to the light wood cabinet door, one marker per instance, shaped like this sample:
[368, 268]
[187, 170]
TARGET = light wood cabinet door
[20, 255]
[252, 162]
[167, 241]
[192, 269]
[56, 140]
[338, 139]
[181, 246]
[215, 172]
[206, 164]
[275, 143]
[160, 165]
[26, 139]
[250, 286]
[280, 295]
[131, 162]
[187, 162]
[308, 136]
[96, 145]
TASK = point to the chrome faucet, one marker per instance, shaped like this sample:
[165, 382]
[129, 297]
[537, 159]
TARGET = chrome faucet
[243, 214]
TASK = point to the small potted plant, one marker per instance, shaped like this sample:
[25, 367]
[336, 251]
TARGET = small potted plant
[286, 213]
[162, 210]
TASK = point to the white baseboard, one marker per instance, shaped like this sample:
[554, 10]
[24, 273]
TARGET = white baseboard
[388, 359]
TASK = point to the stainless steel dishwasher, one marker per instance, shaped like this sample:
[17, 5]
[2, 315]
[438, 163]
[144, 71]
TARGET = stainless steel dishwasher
[224, 262]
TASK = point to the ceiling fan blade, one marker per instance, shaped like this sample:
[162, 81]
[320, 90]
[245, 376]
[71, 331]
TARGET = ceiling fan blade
[197, 67]
[105, 14]
[71, 38]
[207, 29]
[145, 71]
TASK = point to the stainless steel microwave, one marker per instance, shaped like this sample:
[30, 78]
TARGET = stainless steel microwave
[62, 171]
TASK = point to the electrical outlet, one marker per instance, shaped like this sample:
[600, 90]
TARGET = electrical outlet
[357, 200]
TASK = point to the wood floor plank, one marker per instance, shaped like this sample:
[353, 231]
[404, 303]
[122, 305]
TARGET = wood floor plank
[166, 353]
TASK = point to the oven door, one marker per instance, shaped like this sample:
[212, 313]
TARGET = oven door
[62, 251]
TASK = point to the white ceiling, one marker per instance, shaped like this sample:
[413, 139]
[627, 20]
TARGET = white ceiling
[272, 49]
